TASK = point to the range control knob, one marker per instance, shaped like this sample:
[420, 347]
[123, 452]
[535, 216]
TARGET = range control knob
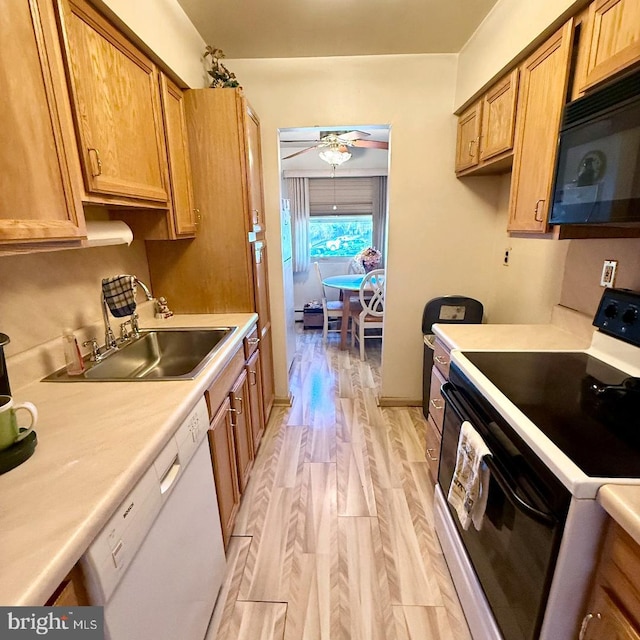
[630, 315]
[611, 310]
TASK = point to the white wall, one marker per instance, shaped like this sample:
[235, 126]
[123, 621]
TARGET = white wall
[507, 30]
[441, 230]
[164, 27]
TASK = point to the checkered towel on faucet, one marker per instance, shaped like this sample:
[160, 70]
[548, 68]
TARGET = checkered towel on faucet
[120, 295]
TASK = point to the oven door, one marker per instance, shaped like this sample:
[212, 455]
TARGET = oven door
[514, 553]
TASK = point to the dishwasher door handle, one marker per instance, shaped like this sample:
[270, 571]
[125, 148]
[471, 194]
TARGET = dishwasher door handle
[170, 476]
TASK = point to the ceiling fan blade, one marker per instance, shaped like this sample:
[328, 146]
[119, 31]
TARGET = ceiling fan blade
[353, 135]
[299, 141]
[371, 144]
[297, 153]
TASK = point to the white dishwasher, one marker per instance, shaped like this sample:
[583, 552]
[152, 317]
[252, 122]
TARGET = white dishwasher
[157, 566]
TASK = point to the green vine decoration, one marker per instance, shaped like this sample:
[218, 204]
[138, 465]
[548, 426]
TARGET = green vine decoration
[220, 75]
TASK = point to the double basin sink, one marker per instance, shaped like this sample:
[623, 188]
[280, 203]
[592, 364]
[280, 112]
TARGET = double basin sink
[157, 354]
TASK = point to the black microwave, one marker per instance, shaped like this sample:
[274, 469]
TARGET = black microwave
[597, 174]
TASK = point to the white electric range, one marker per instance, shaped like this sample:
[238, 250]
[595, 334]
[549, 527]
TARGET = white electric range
[559, 425]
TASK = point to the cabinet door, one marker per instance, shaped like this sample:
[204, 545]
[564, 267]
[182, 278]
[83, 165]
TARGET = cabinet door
[254, 377]
[175, 127]
[613, 32]
[499, 117]
[467, 152]
[607, 621]
[266, 364]
[39, 174]
[543, 91]
[432, 448]
[436, 401]
[242, 431]
[116, 105]
[261, 284]
[221, 442]
[254, 168]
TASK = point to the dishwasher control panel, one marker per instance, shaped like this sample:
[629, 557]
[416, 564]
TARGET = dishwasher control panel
[115, 546]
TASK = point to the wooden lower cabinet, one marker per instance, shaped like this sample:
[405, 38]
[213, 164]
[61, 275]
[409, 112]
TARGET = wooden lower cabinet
[71, 592]
[433, 439]
[254, 375]
[242, 428]
[237, 425]
[222, 443]
[613, 611]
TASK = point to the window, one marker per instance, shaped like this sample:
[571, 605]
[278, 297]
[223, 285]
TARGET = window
[339, 235]
[341, 223]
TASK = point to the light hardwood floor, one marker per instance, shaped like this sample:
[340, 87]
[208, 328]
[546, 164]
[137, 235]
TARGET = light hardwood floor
[334, 539]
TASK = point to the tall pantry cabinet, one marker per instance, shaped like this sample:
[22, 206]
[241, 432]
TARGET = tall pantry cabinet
[224, 269]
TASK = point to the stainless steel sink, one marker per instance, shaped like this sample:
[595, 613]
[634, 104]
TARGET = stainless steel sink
[159, 354]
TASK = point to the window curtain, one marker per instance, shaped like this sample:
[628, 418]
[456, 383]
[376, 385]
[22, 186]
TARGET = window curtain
[379, 213]
[299, 198]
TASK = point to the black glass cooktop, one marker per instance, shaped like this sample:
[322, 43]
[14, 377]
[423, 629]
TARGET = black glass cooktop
[590, 410]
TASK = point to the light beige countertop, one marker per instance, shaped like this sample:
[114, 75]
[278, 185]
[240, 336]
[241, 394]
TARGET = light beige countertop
[622, 503]
[500, 337]
[95, 441]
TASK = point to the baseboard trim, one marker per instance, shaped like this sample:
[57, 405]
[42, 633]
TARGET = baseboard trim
[398, 402]
[283, 402]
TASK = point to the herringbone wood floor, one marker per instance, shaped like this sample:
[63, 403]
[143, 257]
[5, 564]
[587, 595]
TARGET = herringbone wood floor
[334, 539]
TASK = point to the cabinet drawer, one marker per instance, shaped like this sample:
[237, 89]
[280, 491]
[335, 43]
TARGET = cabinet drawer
[432, 437]
[221, 386]
[251, 343]
[436, 401]
[441, 359]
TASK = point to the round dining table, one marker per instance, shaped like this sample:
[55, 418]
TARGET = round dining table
[346, 283]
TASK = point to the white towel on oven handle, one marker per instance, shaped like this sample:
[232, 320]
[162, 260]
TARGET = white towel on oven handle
[469, 488]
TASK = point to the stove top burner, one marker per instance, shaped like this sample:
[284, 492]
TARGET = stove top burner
[588, 409]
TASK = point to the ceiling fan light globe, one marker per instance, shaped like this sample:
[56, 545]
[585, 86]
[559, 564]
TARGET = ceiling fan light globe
[334, 157]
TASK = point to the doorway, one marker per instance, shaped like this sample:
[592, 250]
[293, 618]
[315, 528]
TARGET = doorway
[342, 174]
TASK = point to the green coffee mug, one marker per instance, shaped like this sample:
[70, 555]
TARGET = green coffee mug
[9, 429]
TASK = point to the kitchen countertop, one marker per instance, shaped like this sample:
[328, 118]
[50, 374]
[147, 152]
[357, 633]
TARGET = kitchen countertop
[95, 441]
[501, 337]
[621, 502]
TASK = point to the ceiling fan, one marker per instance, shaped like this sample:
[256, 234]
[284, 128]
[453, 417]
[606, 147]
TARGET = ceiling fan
[338, 142]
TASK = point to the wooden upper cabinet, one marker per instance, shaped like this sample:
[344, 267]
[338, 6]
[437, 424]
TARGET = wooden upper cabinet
[116, 105]
[499, 117]
[486, 130]
[40, 179]
[612, 37]
[175, 126]
[543, 90]
[467, 152]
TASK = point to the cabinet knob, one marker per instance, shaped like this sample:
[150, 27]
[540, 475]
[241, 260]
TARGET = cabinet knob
[441, 360]
[254, 377]
[253, 341]
[536, 210]
[437, 404]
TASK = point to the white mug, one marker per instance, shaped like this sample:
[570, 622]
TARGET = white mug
[9, 429]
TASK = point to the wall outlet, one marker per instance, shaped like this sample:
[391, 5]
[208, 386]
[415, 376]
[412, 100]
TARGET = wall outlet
[505, 260]
[608, 273]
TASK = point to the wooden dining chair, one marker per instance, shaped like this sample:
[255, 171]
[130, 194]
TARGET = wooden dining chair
[371, 314]
[331, 309]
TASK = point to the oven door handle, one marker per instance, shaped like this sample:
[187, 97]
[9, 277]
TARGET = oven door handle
[448, 391]
[520, 504]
